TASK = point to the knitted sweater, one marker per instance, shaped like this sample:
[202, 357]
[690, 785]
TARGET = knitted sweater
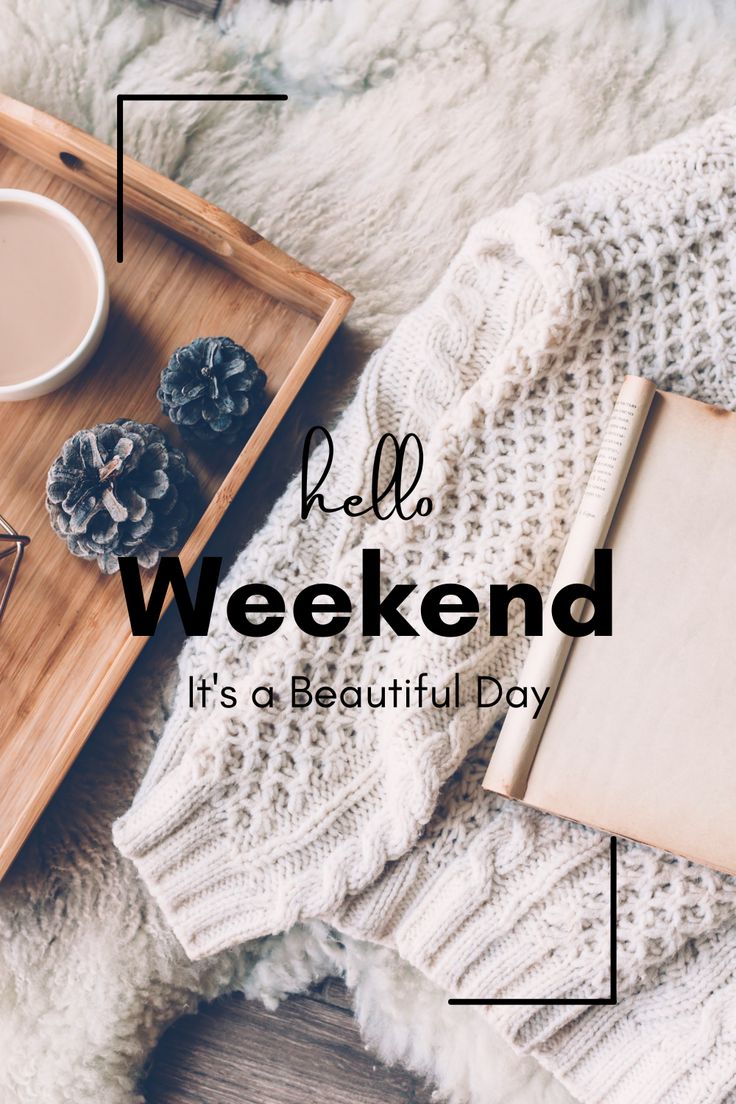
[251, 819]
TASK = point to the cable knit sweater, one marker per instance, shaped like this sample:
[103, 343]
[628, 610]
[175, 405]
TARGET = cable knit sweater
[252, 819]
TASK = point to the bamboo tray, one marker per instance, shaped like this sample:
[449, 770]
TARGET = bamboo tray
[189, 269]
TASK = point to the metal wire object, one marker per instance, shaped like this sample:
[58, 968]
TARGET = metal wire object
[12, 544]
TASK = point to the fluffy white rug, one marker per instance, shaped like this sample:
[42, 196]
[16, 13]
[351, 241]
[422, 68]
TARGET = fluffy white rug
[406, 122]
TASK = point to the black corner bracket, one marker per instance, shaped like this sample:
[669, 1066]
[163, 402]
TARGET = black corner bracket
[612, 998]
[124, 98]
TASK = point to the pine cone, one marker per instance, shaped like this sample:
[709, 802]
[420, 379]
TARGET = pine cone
[120, 489]
[213, 389]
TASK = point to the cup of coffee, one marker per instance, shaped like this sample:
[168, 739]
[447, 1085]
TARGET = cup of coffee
[54, 298]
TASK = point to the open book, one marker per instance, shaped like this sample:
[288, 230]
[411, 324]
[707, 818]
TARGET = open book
[637, 735]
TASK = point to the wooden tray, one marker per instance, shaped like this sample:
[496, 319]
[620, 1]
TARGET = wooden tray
[189, 269]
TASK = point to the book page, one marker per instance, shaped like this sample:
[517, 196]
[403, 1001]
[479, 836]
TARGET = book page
[641, 740]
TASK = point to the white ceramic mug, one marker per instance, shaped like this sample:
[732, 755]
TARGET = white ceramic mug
[72, 363]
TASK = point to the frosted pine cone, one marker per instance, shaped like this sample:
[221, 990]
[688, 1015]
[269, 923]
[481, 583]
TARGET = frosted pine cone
[213, 389]
[120, 489]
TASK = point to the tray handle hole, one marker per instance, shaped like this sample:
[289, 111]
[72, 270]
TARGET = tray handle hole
[70, 160]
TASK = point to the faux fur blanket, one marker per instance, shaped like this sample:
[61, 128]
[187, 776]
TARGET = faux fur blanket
[406, 122]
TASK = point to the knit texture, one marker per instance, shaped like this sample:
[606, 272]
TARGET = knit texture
[252, 819]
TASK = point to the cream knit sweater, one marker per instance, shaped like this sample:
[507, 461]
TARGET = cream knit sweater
[252, 819]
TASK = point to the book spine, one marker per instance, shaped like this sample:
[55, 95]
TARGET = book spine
[517, 744]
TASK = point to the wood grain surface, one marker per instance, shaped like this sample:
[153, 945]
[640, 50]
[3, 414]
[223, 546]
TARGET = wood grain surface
[190, 269]
[236, 1052]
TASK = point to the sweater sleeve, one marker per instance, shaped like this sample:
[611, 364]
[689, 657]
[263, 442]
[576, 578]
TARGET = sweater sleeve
[254, 817]
[499, 902]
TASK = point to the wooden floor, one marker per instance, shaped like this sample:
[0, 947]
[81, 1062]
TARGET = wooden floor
[236, 1052]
